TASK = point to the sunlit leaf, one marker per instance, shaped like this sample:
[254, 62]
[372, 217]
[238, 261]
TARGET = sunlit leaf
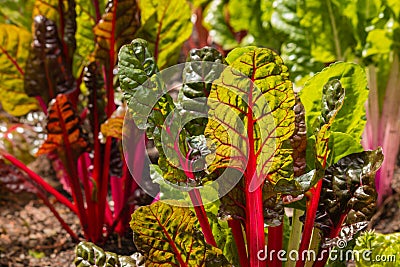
[112, 127]
[169, 236]
[252, 121]
[329, 31]
[64, 132]
[270, 105]
[166, 26]
[216, 22]
[14, 47]
[117, 27]
[85, 41]
[350, 120]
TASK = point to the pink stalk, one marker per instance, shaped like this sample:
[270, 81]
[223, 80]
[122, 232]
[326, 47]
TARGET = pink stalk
[202, 216]
[254, 203]
[312, 206]
[39, 180]
[275, 243]
[237, 233]
[42, 104]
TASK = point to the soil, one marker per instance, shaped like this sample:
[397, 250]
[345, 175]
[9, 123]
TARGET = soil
[30, 235]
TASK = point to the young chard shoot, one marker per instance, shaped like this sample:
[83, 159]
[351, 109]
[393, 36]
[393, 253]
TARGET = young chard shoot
[254, 126]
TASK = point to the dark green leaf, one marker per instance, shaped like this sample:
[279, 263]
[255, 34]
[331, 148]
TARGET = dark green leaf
[197, 79]
[135, 65]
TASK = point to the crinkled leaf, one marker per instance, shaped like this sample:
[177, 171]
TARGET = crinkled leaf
[298, 141]
[89, 255]
[350, 120]
[47, 71]
[193, 95]
[93, 82]
[117, 27]
[149, 105]
[14, 47]
[63, 14]
[348, 188]
[135, 65]
[169, 236]
[333, 95]
[64, 131]
[166, 26]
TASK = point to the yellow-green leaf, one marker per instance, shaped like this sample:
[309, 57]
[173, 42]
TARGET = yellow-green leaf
[169, 236]
[117, 27]
[14, 47]
[166, 26]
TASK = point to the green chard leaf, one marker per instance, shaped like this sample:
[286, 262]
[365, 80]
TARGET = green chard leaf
[330, 32]
[192, 97]
[349, 123]
[169, 236]
[296, 47]
[267, 106]
[85, 40]
[218, 26]
[166, 26]
[151, 104]
[14, 47]
[89, 255]
[135, 65]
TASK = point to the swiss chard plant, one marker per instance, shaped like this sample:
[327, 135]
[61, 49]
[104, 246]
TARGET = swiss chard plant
[59, 58]
[280, 150]
[312, 34]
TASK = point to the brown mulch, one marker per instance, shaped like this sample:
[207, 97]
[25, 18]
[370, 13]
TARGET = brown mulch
[31, 236]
